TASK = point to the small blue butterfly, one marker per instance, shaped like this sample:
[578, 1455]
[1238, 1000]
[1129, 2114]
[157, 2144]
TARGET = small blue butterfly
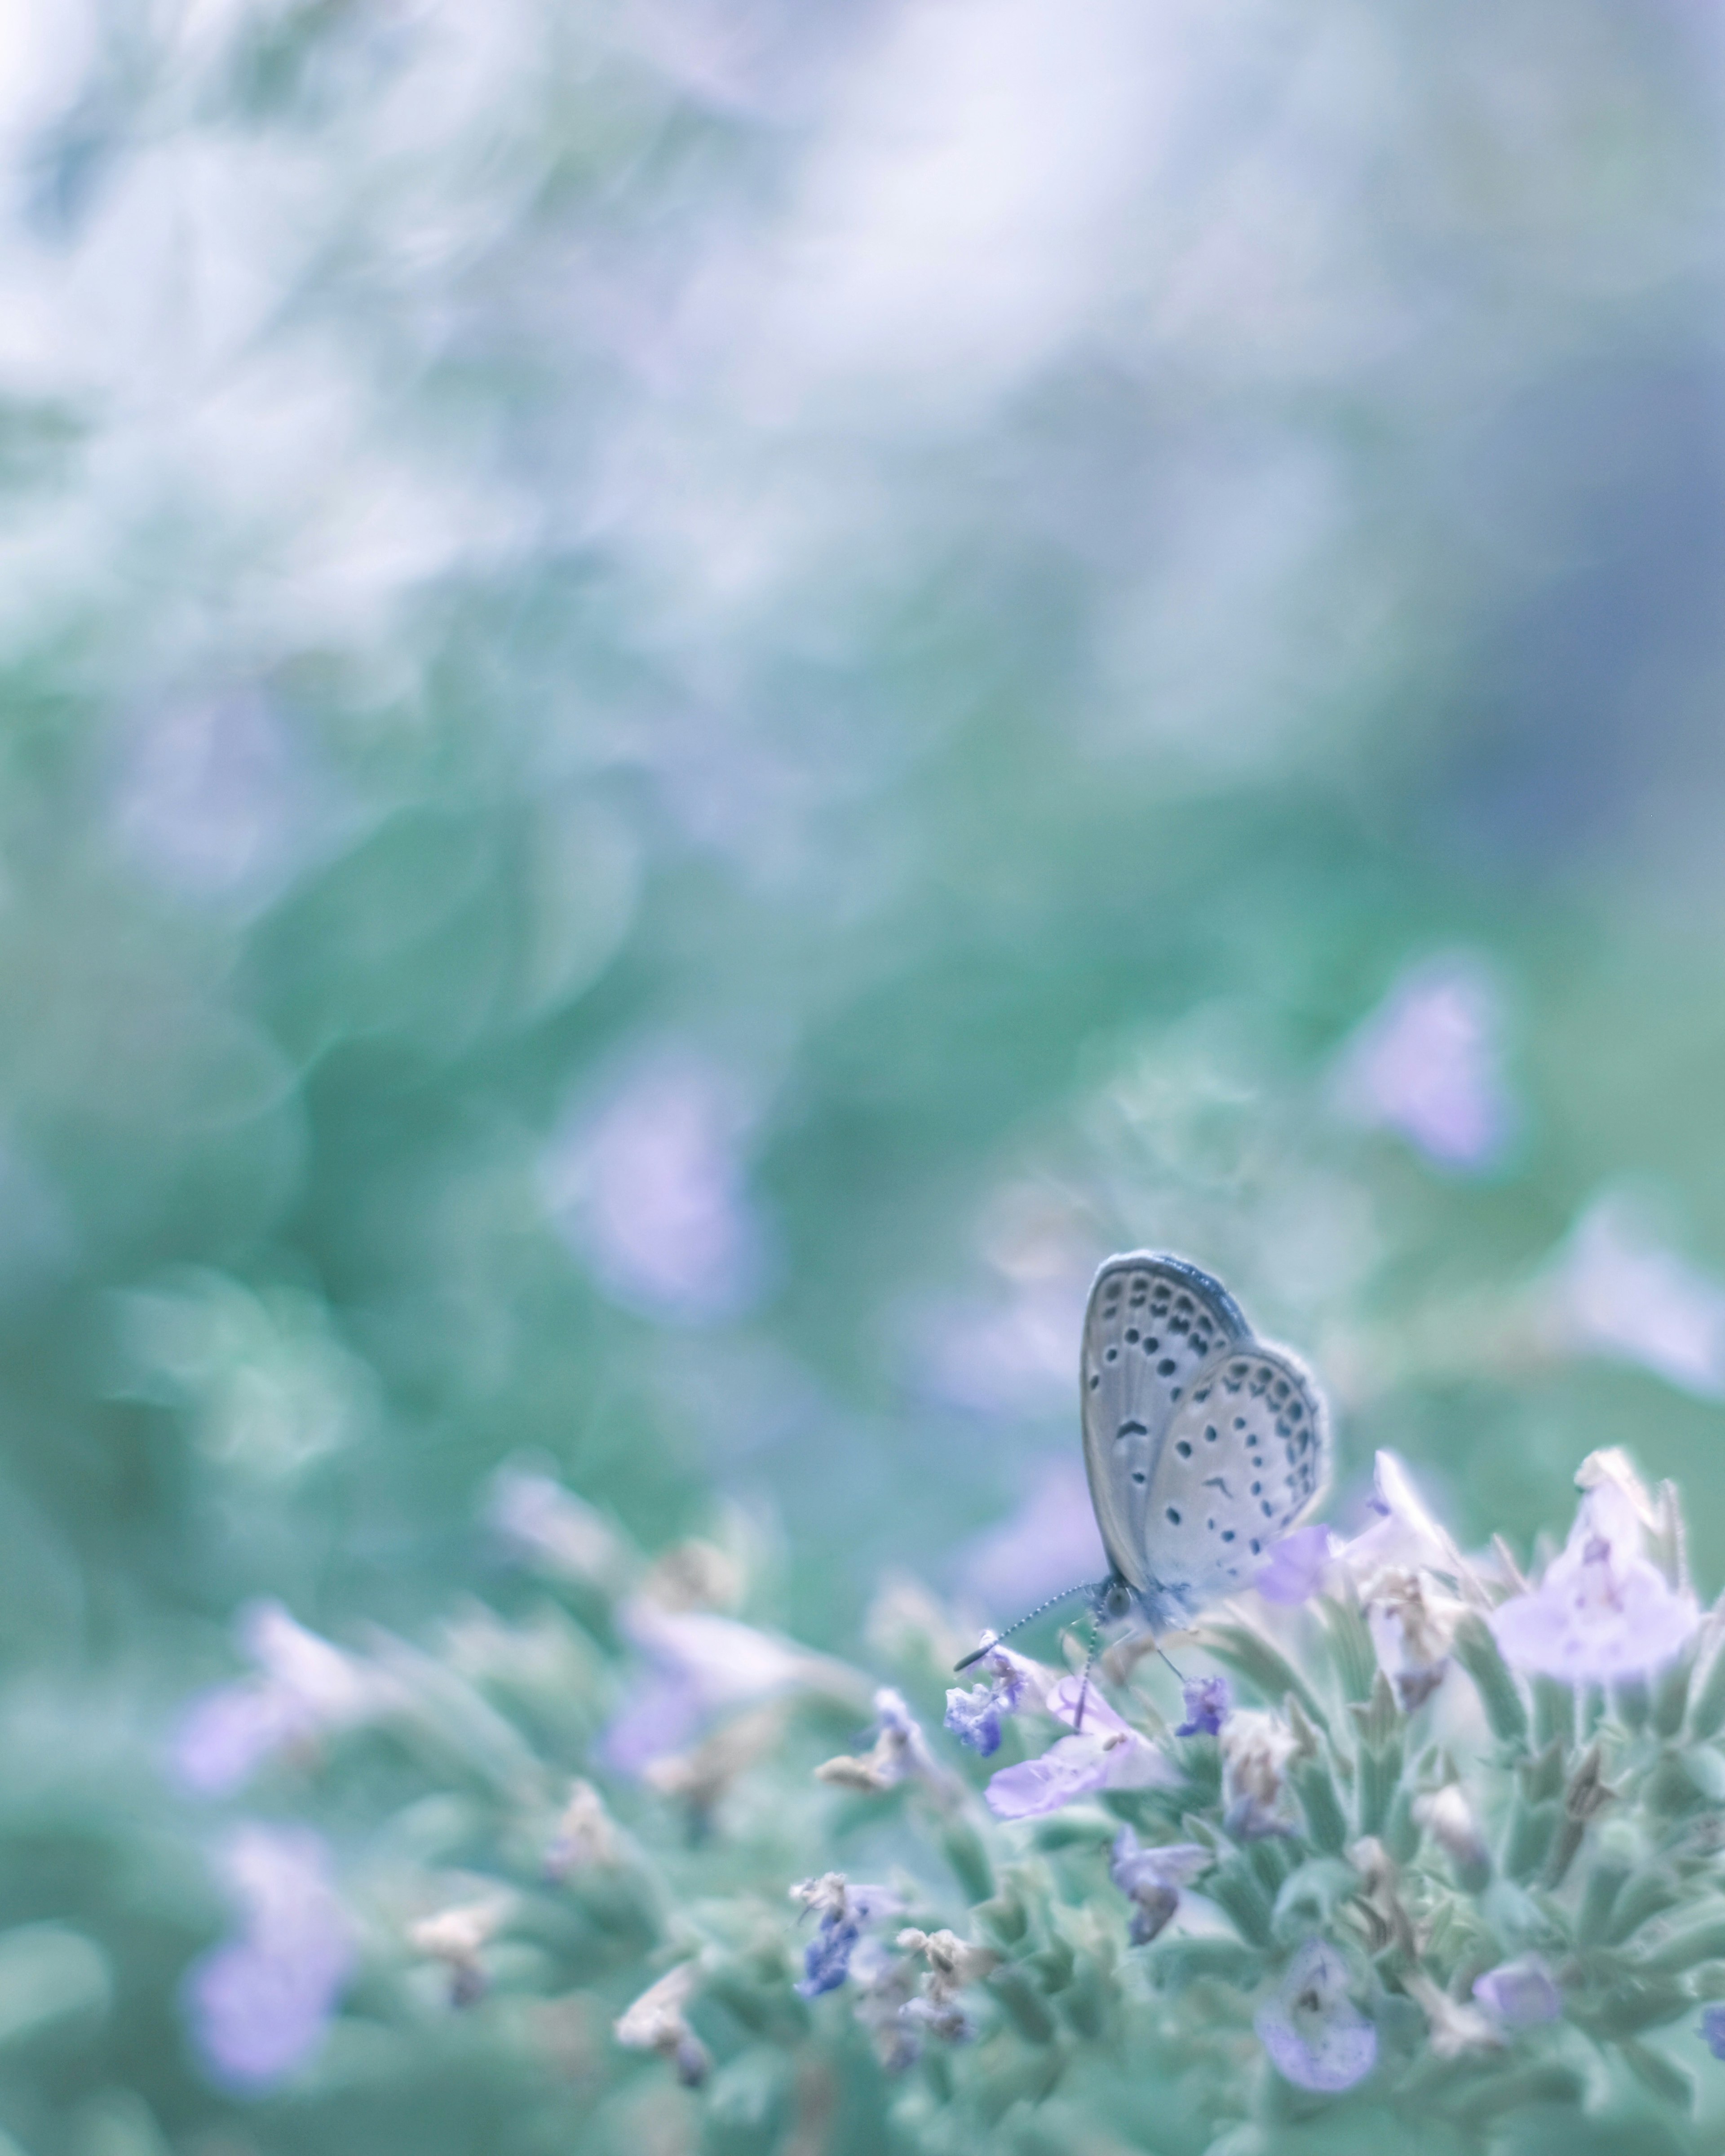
[1203, 1444]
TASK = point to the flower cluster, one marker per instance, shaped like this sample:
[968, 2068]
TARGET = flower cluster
[1410, 1832]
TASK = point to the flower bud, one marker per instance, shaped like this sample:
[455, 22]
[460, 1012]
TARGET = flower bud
[1448, 1818]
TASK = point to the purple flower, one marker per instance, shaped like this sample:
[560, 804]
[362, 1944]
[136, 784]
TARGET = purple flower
[1207, 1702]
[1712, 2031]
[1105, 1753]
[973, 1716]
[701, 1666]
[649, 1187]
[1616, 1290]
[899, 1753]
[259, 2005]
[1521, 1994]
[844, 1910]
[1051, 1539]
[1294, 1569]
[1602, 1610]
[1316, 2036]
[304, 1688]
[544, 1524]
[826, 1960]
[1427, 1064]
[1403, 1536]
[1152, 1879]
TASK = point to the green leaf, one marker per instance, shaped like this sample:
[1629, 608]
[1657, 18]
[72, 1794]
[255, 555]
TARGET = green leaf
[1477, 1650]
[1700, 1942]
[962, 1847]
[1654, 2070]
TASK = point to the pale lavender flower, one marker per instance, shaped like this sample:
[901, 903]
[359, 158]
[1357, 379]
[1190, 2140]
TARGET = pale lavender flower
[548, 1526]
[1616, 1290]
[210, 796]
[703, 1664]
[1049, 1541]
[304, 1688]
[1294, 1569]
[1207, 1702]
[259, 2005]
[1602, 1610]
[1404, 1535]
[650, 1188]
[1427, 1065]
[1104, 1752]
[1712, 2031]
[1152, 1878]
[1521, 1994]
[1015, 1345]
[973, 1716]
[1316, 2036]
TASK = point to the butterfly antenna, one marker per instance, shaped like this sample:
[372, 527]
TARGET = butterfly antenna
[1170, 1662]
[989, 1645]
[1089, 1663]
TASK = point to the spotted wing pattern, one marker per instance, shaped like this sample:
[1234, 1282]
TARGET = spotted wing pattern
[1247, 1452]
[1152, 1323]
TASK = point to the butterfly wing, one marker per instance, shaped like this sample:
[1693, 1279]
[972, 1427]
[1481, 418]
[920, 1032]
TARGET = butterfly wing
[1152, 1322]
[1247, 1452]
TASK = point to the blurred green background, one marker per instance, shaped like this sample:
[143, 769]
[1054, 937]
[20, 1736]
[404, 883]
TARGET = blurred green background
[698, 693]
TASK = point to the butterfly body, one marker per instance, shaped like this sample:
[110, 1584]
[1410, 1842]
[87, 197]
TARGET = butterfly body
[1203, 1443]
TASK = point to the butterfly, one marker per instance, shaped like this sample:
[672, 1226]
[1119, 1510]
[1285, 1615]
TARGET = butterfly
[1203, 1444]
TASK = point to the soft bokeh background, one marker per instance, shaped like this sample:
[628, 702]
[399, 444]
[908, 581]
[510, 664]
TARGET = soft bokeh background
[698, 693]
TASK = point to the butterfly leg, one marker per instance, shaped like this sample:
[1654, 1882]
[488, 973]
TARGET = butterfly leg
[1109, 1598]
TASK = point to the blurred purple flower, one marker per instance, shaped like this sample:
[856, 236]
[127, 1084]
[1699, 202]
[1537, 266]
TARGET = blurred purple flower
[209, 796]
[650, 1189]
[1106, 1753]
[1603, 1609]
[1616, 1290]
[259, 2005]
[306, 1688]
[1427, 1064]
[1521, 1994]
[973, 1716]
[547, 1525]
[996, 1354]
[1152, 1878]
[1316, 2036]
[1712, 2031]
[700, 1666]
[1294, 1570]
[899, 1752]
[1207, 1701]
[1049, 1541]
[1404, 1537]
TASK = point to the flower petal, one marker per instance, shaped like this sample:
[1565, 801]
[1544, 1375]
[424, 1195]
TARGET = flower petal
[1074, 1766]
